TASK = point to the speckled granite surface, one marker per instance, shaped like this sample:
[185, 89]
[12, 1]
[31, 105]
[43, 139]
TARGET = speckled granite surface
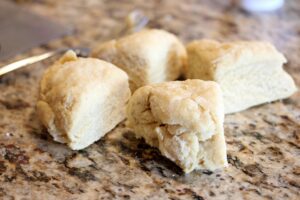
[263, 142]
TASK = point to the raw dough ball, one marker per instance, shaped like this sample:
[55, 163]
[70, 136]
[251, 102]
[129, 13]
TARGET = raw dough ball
[81, 99]
[249, 73]
[184, 119]
[148, 56]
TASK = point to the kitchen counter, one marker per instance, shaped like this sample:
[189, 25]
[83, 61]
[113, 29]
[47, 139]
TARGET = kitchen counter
[263, 142]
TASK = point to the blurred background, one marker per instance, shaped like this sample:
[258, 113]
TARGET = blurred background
[89, 22]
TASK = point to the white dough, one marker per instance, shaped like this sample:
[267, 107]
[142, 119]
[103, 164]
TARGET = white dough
[249, 73]
[81, 99]
[184, 119]
[148, 56]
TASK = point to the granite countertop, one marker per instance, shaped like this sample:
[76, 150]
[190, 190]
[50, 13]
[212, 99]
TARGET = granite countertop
[263, 142]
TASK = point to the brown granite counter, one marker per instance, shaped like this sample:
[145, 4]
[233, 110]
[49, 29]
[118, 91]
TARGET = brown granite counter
[263, 142]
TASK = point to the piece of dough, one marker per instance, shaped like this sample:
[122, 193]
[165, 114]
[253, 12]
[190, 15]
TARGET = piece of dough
[249, 73]
[81, 99]
[148, 56]
[184, 119]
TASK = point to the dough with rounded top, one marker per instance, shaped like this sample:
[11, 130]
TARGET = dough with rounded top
[148, 56]
[184, 119]
[81, 99]
[249, 72]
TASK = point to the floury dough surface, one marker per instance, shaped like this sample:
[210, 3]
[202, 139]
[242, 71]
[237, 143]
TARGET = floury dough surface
[262, 142]
[167, 116]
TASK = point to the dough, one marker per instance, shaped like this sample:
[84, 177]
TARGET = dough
[148, 56]
[81, 99]
[249, 73]
[184, 119]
